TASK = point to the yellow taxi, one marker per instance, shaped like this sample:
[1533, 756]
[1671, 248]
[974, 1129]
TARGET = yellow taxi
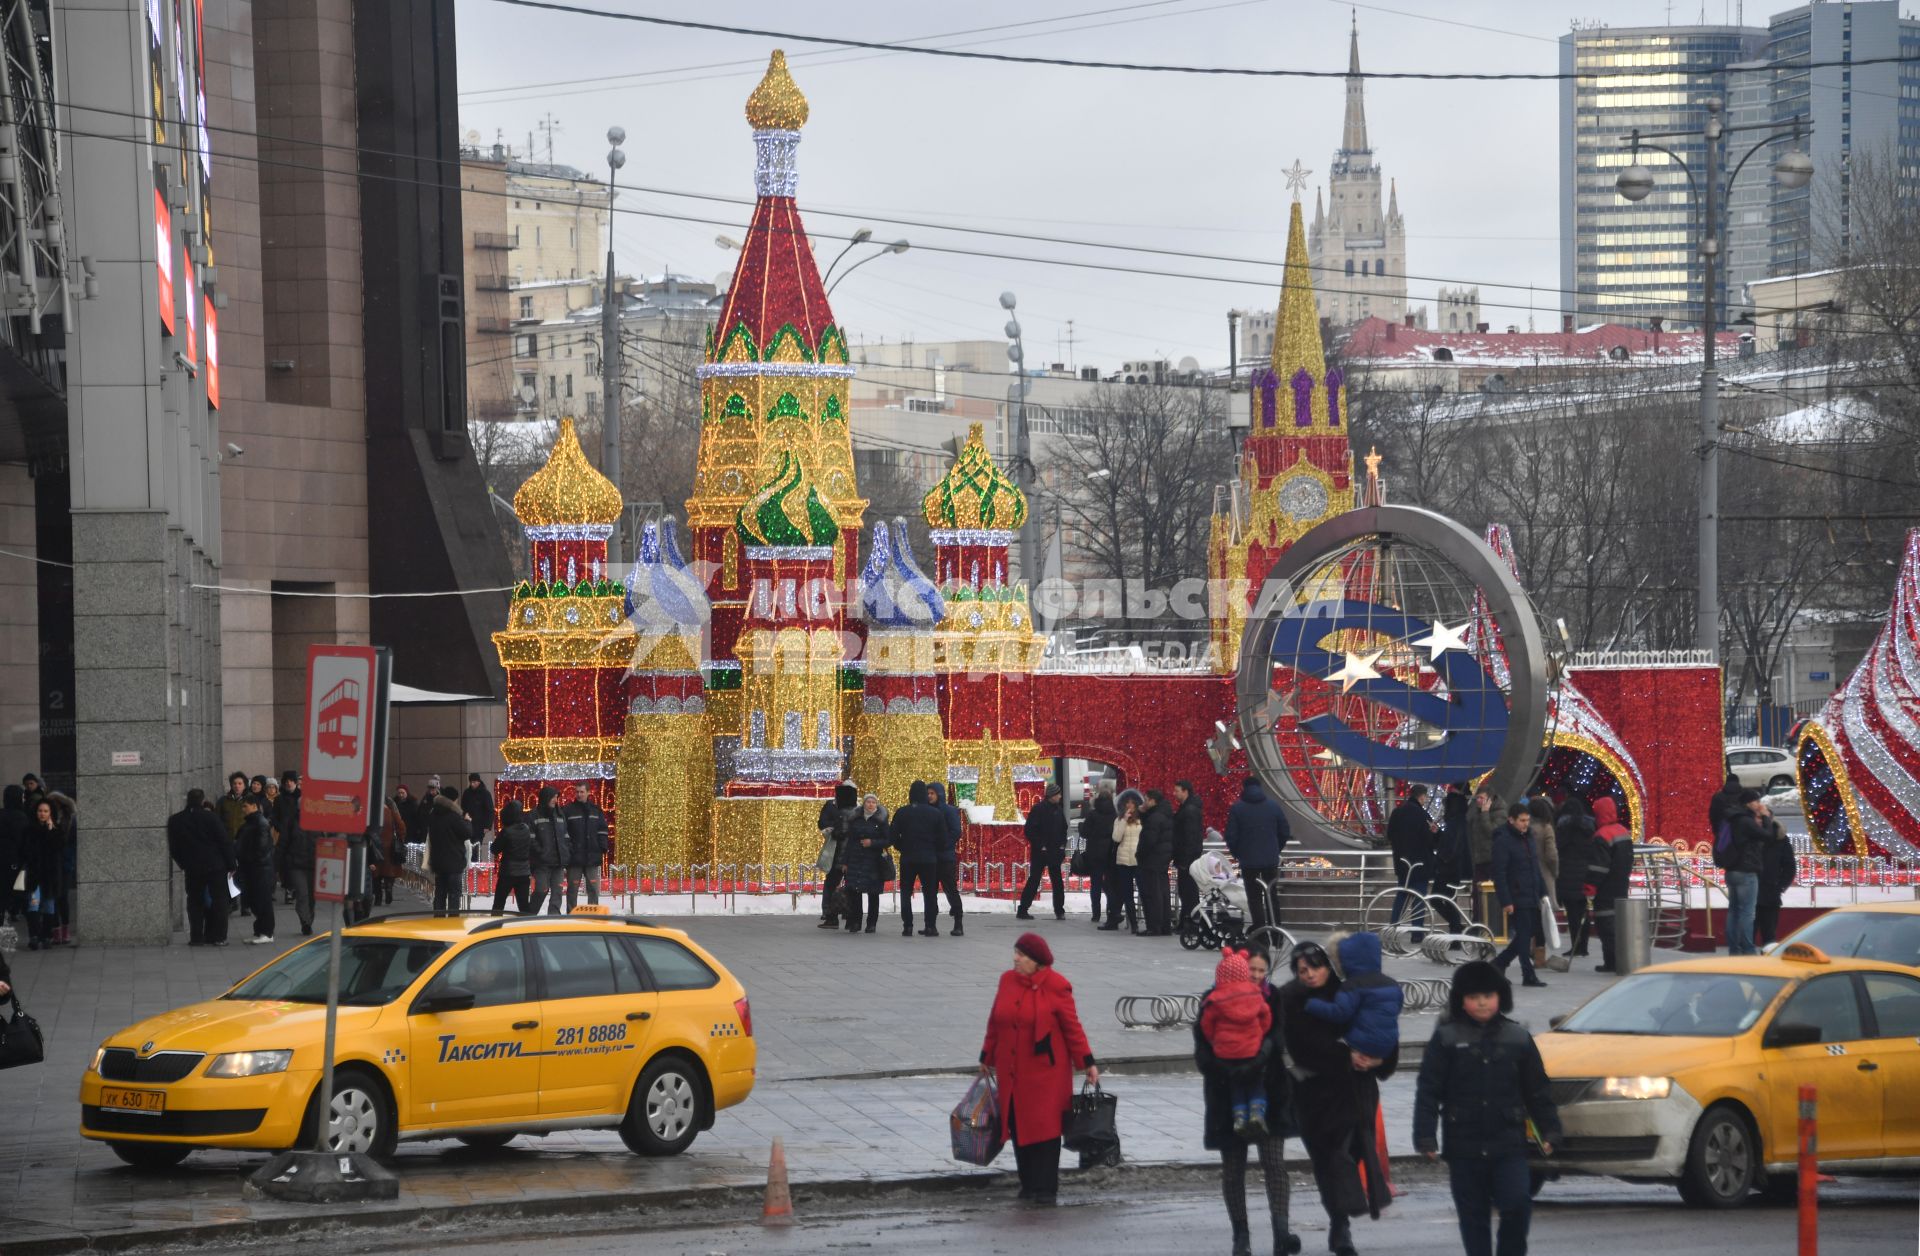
[1886, 930]
[478, 1028]
[1691, 1072]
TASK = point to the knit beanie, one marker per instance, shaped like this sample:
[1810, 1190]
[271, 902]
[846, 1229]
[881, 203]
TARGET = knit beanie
[1035, 948]
[1231, 968]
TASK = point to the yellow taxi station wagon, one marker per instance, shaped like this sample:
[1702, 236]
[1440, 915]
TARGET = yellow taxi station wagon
[470, 1027]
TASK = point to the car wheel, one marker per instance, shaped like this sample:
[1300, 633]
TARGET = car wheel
[666, 1110]
[361, 1118]
[1723, 1161]
[1782, 781]
[499, 1138]
[151, 1156]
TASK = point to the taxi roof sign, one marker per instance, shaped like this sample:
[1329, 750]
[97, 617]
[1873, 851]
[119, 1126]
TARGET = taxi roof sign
[591, 909]
[1804, 953]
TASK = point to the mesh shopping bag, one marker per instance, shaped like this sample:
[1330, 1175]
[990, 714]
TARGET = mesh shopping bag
[975, 1123]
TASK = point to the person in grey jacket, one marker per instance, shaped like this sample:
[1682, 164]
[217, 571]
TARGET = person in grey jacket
[586, 846]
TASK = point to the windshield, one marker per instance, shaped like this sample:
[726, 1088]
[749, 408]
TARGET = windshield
[1677, 1005]
[372, 971]
[1883, 935]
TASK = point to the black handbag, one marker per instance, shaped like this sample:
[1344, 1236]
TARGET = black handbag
[887, 870]
[1078, 864]
[1088, 1125]
[20, 1039]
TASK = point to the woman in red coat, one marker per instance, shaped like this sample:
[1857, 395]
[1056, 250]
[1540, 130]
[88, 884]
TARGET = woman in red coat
[1034, 1044]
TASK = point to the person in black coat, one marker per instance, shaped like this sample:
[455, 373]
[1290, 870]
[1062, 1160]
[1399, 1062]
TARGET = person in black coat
[867, 864]
[198, 843]
[45, 868]
[1156, 858]
[254, 854]
[1217, 1123]
[476, 804]
[1778, 868]
[295, 852]
[949, 851]
[13, 851]
[513, 845]
[918, 830]
[1743, 866]
[1481, 1077]
[1335, 1103]
[448, 836]
[1410, 834]
[1518, 883]
[1257, 831]
[549, 853]
[1096, 845]
[835, 813]
[586, 845]
[1580, 865]
[1046, 848]
[1189, 841]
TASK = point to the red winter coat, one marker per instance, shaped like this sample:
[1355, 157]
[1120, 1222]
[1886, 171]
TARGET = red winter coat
[1235, 1020]
[1034, 1043]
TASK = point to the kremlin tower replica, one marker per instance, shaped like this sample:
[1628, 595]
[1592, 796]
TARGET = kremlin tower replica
[1296, 469]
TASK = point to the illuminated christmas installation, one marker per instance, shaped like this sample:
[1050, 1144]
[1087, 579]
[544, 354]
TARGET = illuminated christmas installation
[713, 699]
[1859, 759]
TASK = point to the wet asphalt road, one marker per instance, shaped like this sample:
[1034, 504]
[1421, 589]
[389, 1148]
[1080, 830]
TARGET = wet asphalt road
[1861, 1217]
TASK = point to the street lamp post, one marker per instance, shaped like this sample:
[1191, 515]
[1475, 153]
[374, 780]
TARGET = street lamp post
[1023, 447]
[898, 246]
[610, 348]
[1794, 169]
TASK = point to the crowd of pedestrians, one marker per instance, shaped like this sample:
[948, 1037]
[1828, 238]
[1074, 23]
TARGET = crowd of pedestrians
[39, 850]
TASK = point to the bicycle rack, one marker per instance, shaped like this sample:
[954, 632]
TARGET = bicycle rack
[1156, 1011]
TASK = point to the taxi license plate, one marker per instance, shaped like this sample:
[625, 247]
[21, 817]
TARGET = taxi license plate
[149, 1101]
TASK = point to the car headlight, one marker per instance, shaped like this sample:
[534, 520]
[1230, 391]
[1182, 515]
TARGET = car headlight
[1635, 1087]
[249, 1063]
[99, 1054]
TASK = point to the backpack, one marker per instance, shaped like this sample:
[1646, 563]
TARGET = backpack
[1723, 843]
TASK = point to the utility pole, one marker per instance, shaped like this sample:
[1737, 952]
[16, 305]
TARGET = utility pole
[610, 406]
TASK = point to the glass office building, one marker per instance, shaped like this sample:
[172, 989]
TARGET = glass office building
[1625, 261]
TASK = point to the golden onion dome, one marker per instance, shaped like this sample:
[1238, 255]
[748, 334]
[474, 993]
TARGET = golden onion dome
[568, 489]
[976, 493]
[777, 105]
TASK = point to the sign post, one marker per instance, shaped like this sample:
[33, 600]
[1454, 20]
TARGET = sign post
[346, 728]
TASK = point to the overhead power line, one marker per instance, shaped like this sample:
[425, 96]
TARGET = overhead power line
[1445, 76]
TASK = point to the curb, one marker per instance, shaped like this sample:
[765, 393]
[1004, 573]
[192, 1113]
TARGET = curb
[655, 1201]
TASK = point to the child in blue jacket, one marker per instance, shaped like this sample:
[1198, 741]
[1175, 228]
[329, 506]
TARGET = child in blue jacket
[1367, 1008]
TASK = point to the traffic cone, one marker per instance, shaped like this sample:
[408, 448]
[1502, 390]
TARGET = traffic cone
[1380, 1147]
[779, 1205]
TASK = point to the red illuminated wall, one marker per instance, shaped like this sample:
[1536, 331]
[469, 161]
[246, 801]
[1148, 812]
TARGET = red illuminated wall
[1669, 719]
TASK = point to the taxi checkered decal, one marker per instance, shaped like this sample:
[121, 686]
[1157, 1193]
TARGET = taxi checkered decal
[731, 1030]
[1836, 1048]
[393, 1055]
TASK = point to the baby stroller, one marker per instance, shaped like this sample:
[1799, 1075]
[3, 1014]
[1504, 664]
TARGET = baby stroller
[1220, 917]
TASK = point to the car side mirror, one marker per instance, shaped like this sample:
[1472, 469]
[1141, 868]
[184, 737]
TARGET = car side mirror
[1554, 1022]
[1793, 1034]
[447, 999]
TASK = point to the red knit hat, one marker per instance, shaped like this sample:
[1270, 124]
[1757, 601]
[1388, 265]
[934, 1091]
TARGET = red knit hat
[1231, 968]
[1035, 948]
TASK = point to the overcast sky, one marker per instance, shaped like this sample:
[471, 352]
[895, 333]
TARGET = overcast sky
[1170, 161]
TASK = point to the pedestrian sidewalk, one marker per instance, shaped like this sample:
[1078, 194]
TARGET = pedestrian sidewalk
[833, 1013]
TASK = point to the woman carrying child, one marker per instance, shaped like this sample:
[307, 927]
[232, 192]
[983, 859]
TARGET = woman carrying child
[1222, 1132]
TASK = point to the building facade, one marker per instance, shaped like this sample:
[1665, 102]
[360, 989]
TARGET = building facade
[1627, 261]
[1865, 110]
[1358, 243]
[264, 372]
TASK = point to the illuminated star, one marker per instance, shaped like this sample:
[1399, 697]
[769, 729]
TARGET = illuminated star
[1355, 670]
[1275, 708]
[1221, 747]
[1328, 757]
[1296, 178]
[1373, 461]
[1442, 639]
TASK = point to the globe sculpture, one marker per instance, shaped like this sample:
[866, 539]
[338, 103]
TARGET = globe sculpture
[1368, 667]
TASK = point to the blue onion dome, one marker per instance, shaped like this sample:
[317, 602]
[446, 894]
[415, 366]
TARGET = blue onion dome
[662, 592]
[894, 592]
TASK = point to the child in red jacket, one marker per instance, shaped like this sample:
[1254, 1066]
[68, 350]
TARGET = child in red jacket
[1234, 1019]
